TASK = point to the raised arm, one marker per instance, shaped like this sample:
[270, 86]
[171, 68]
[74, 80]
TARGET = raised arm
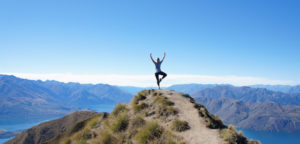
[151, 57]
[163, 57]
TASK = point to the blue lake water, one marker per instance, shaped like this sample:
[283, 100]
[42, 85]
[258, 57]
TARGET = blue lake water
[13, 124]
[3, 140]
[273, 137]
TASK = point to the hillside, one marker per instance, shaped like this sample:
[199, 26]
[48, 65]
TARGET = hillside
[191, 88]
[248, 94]
[29, 98]
[280, 88]
[253, 108]
[49, 130]
[267, 116]
[5, 134]
[153, 116]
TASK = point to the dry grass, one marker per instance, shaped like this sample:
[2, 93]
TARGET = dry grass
[232, 136]
[214, 122]
[138, 121]
[164, 110]
[179, 125]
[105, 137]
[149, 133]
[165, 106]
[94, 121]
[139, 107]
[68, 141]
[155, 94]
[119, 109]
[120, 123]
[163, 101]
[140, 96]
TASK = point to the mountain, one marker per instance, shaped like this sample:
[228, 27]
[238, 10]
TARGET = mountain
[8, 134]
[29, 98]
[279, 88]
[49, 130]
[253, 108]
[267, 116]
[131, 89]
[248, 94]
[153, 116]
[185, 88]
[190, 88]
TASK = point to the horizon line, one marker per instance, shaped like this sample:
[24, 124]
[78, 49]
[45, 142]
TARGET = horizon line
[149, 80]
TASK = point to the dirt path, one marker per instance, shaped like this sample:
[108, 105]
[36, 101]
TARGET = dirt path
[199, 133]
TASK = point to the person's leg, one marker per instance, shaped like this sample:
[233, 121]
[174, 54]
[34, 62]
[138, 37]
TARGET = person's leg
[157, 79]
[163, 74]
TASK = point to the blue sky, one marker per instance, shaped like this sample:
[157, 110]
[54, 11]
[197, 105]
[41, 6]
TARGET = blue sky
[234, 38]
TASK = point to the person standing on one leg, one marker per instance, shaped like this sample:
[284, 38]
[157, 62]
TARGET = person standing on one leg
[158, 70]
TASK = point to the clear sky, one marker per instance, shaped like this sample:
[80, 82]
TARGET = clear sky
[223, 41]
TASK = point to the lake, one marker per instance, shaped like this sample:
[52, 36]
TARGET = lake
[13, 124]
[273, 137]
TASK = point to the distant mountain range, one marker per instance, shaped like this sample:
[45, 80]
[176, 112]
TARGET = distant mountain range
[267, 116]
[192, 88]
[185, 88]
[247, 107]
[27, 98]
[248, 94]
[253, 108]
[279, 88]
[8, 134]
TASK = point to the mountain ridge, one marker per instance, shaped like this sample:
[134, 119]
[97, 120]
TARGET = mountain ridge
[23, 98]
[248, 94]
[267, 116]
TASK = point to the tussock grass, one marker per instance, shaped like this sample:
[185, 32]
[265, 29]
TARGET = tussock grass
[120, 123]
[68, 141]
[171, 111]
[155, 94]
[105, 137]
[94, 121]
[119, 109]
[139, 107]
[179, 125]
[189, 97]
[163, 101]
[140, 96]
[214, 122]
[138, 121]
[166, 110]
[81, 136]
[149, 133]
[232, 136]
[165, 106]
[144, 92]
[79, 126]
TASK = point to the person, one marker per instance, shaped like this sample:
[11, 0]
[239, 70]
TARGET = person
[158, 70]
